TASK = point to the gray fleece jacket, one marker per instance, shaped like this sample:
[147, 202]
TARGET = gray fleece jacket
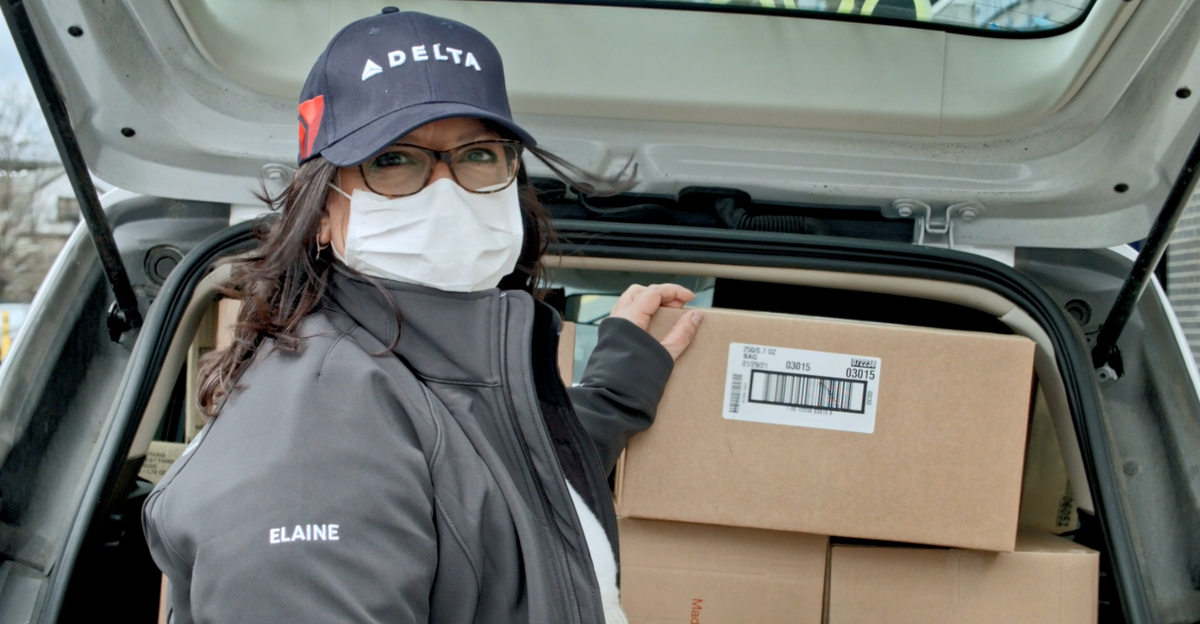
[345, 483]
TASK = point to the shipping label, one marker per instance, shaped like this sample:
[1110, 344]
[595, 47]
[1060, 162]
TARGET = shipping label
[801, 388]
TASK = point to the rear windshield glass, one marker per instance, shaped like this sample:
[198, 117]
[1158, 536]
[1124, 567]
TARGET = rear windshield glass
[1028, 17]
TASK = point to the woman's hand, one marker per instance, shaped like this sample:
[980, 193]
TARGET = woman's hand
[639, 303]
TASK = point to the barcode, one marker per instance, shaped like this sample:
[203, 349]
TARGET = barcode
[735, 394]
[810, 391]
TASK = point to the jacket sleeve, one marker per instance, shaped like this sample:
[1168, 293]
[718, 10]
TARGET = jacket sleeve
[306, 502]
[621, 386]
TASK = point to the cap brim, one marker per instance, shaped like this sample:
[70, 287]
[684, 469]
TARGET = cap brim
[370, 139]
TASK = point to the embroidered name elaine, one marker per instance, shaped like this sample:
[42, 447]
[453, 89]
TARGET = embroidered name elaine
[305, 533]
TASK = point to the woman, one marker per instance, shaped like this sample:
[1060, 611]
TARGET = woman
[392, 442]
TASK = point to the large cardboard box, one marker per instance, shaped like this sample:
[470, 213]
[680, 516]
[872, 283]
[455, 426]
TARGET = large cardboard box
[680, 573]
[1048, 580]
[830, 427]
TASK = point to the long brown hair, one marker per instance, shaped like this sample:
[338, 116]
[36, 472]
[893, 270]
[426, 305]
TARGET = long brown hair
[284, 279]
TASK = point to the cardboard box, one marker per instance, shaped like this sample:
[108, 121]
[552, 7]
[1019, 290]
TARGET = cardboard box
[830, 427]
[204, 341]
[679, 573]
[1048, 580]
[1046, 499]
[159, 458]
[566, 353]
[215, 332]
[227, 315]
[162, 601]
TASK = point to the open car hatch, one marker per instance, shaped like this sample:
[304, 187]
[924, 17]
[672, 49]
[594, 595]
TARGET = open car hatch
[857, 156]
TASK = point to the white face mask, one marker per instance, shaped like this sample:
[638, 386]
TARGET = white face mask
[444, 237]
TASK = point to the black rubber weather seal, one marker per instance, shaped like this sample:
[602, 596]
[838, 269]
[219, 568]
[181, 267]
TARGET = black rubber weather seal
[1153, 248]
[784, 13]
[695, 245]
[124, 314]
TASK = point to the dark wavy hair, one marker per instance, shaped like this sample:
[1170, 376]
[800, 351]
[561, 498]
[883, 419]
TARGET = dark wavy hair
[285, 278]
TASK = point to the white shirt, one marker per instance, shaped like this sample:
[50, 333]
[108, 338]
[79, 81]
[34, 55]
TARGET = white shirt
[603, 560]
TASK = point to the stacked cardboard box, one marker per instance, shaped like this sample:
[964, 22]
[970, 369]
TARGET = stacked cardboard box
[792, 428]
[1047, 579]
[680, 572]
[853, 429]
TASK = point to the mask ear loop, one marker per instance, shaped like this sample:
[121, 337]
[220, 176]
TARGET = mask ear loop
[337, 187]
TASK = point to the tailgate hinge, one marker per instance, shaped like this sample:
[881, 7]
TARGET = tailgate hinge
[933, 227]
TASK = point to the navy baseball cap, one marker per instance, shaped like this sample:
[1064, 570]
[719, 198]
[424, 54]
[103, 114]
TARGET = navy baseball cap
[386, 75]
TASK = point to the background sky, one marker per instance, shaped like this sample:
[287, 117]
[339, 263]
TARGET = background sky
[16, 84]
[11, 69]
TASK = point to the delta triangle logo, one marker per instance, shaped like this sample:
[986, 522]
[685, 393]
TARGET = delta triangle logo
[371, 69]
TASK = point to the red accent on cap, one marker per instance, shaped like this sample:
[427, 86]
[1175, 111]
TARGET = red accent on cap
[310, 123]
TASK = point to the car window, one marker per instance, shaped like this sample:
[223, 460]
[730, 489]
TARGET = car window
[995, 16]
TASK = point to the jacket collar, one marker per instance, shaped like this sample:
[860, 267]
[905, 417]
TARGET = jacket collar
[444, 336]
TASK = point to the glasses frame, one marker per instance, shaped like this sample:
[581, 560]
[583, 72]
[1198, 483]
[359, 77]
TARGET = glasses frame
[445, 156]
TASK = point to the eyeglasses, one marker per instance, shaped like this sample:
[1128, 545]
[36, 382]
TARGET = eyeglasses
[479, 167]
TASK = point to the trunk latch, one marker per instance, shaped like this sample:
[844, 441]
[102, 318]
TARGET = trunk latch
[933, 226]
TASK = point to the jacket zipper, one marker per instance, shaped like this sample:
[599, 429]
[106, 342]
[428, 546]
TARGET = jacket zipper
[537, 480]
